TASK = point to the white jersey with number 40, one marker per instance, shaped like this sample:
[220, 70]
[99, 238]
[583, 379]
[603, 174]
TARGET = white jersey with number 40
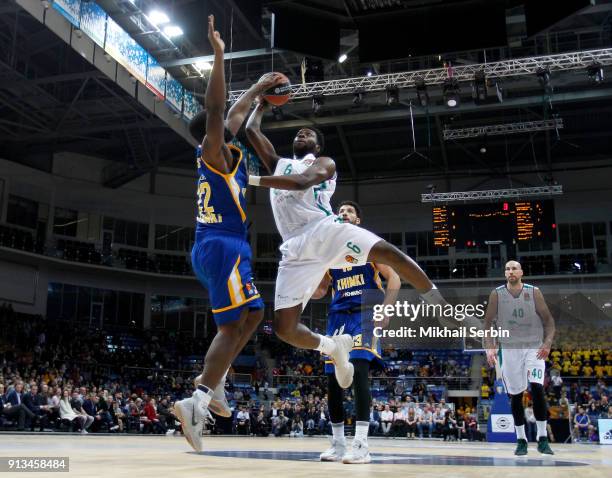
[294, 211]
[518, 315]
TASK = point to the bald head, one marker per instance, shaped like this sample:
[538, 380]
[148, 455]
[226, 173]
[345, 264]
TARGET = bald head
[513, 272]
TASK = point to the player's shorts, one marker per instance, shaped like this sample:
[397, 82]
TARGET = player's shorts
[519, 366]
[222, 263]
[360, 326]
[328, 244]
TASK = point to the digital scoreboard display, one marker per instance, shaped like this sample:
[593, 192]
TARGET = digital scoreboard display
[470, 225]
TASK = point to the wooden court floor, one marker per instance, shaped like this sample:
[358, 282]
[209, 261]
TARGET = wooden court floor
[170, 456]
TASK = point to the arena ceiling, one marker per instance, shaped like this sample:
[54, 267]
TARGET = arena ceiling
[52, 100]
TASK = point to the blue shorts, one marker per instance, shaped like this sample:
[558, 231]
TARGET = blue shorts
[360, 326]
[222, 263]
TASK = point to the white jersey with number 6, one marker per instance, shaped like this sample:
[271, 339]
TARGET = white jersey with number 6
[315, 239]
[294, 211]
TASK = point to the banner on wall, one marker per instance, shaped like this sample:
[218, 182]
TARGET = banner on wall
[124, 49]
[174, 92]
[156, 78]
[71, 9]
[93, 22]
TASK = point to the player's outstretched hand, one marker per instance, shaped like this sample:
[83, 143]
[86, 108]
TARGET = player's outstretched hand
[267, 81]
[214, 37]
[543, 352]
[491, 357]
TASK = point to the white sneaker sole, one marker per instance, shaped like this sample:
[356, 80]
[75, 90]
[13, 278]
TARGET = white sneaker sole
[344, 374]
[361, 461]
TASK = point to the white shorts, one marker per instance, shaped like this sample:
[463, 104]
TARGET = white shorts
[328, 244]
[519, 366]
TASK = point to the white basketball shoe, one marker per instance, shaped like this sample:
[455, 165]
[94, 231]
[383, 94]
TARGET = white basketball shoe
[344, 369]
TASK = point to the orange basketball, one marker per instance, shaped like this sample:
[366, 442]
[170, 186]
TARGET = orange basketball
[279, 94]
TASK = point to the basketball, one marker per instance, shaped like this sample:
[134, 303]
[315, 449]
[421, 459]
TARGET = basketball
[279, 94]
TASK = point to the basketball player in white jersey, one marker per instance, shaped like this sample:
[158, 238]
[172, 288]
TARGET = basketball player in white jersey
[521, 309]
[316, 240]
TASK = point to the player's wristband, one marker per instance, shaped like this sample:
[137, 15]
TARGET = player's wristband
[254, 180]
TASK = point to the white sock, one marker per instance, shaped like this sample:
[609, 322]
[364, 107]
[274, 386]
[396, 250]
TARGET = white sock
[520, 432]
[338, 432]
[433, 296]
[203, 395]
[222, 382]
[542, 432]
[361, 431]
[326, 345]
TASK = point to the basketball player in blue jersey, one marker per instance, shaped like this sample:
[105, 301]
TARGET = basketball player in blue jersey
[355, 290]
[221, 255]
[521, 309]
[315, 240]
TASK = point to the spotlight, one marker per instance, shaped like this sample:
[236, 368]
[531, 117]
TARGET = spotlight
[203, 65]
[317, 102]
[369, 73]
[543, 75]
[451, 93]
[392, 95]
[158, 18]
[422, 94]
[342, 58]
[358, 95]
[483, 149]
[596, 73]
[479, 87]
[172, 31]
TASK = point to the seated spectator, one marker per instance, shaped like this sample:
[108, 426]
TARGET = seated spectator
[242, 422]
[150, 419]
[439, 419]
[38, 406]
[68, 413]
[449, 429]
[386, 420]
[472, 428]
[461, 430]
[399, 421]
[374, 420]
[12, 406]
[425, 421]
[311, 421]
[581, 424]
[77, 405]
[297, 427]
[324, 422]
[411, 423]
[260, 425]
[279, 424]
[166, 416]
[102, 415]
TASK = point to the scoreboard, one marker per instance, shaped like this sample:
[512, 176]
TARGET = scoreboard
[471, 225]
